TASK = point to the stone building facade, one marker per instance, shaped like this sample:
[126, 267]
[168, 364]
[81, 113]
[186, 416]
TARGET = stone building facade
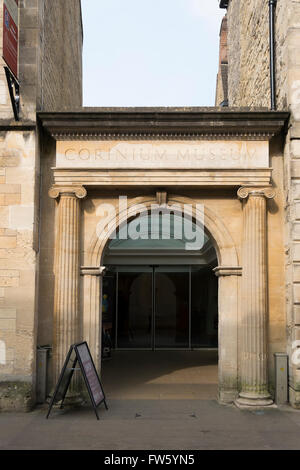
[63, 168]
[249, 85]
[225, 166]
[222, 77]
[50, 58]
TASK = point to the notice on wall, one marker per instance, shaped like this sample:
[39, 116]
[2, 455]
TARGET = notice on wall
[162, 155]
[11, 34]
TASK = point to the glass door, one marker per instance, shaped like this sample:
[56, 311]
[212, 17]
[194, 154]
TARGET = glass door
[172, 309]
[134, 325]
[204, 308]
[162, 307]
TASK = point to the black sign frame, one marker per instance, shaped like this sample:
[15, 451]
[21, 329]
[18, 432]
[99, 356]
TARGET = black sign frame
[62, 387]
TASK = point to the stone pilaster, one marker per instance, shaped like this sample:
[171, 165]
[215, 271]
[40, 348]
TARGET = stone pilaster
[229, 281]
[254, 376]
[67, 272]
[92, 310]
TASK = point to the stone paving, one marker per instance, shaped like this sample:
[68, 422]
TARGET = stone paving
[158, 400]
[152, 424]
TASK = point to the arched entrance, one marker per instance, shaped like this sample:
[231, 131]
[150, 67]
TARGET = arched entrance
[156, 293]
[160, 311]
[227, 271]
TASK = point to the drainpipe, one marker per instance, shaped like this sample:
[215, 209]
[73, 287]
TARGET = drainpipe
[272, 7]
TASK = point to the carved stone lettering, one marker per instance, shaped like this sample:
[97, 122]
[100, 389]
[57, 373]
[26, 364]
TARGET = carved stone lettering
[157, 154]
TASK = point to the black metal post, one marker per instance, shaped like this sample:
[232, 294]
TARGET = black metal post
[272, 7]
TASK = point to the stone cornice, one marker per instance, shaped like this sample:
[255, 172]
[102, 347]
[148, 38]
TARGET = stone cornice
[228, 271]
[92, 270]
[164, 123]
[20, 126]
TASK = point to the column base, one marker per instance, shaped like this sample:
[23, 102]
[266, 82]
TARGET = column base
[248, 400]
[73, 399]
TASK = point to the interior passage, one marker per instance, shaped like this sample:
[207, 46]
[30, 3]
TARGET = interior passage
[161, 375]
[160, 312]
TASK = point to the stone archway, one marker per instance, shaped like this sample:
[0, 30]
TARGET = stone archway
[228, 272]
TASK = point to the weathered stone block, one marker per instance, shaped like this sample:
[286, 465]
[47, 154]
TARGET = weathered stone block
[8, 324]
[296, 289]
[8, 242]
[6, 313]
[9, 282]
[28, 73]
[295, 148]
[9, 273]
[295, 169]
[28, 55]
[4, 217]
[21, 217]
[296, 273]
[10, 189]
[8, 161]
[295, 189]
[297, 314]
[16, 396]
[296, 231]
[4, 254]
[12, 199]
[29, 18]
[294, 398]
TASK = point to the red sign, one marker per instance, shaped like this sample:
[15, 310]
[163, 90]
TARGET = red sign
[11, 34]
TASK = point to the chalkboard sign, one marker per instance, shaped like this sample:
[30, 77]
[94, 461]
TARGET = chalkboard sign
[66, 376]
[90, 373]
[79, 353]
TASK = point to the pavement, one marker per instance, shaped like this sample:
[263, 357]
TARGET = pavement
[152, 425]
[163, 404]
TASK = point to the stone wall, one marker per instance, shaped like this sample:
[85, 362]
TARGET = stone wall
[50, 50]
[50, 57]
[222, 77]
[292, 186]
[18, 266]
[61, 68]
[248, 52]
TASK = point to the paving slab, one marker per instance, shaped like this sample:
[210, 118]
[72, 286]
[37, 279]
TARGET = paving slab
[160, 401]
[151, 425]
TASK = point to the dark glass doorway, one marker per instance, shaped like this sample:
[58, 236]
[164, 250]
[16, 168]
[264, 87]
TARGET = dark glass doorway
[161, 307]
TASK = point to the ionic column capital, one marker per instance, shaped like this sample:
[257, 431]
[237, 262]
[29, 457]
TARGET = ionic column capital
[245, 192]
[77, 191]
[228, 271]
[92, 271]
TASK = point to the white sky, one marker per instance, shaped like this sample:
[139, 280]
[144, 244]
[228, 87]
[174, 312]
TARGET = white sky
[150, 52]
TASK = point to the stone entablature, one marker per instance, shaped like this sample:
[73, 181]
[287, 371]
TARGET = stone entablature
[187, 147]
[170, 178]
